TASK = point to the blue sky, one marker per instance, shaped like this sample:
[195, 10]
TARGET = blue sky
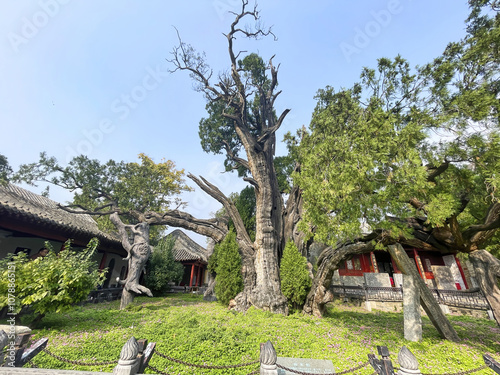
[92, 77]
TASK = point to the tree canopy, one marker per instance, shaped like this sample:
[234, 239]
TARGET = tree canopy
[242, 123]
[5, 170]
[409, 156]
[128, 188]
[410, 144]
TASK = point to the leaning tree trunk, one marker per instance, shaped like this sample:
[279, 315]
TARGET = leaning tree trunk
[138, 253]
[487, 270]
[427, 300]
[328, 261]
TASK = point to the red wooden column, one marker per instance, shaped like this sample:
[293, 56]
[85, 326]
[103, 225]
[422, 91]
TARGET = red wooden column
[373, 260]
[418, 263]
[192, 274]
[103, 262]
[198, 276]
[461, 272]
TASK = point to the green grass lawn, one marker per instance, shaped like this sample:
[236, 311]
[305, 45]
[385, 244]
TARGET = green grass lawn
[189, 329]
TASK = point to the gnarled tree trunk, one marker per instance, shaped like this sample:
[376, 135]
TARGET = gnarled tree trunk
[487, 270]
[238, 91]
[292, 216]
[266, 292]
[138, 253]
[328, 262]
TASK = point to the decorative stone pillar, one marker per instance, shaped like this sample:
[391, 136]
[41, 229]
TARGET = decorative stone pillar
[129, 363]
[268, 359]
[408, 364]
[411, 310]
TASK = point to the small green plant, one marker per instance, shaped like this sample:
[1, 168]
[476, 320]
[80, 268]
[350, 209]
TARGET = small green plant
[162, 268]
[295, 279]
[227, 264]
[49, 284]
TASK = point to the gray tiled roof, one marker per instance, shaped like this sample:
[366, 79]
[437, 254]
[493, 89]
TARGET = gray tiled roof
[185, 249]
[25, 206]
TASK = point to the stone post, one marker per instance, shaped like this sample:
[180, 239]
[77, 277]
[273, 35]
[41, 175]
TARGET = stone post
[268, 359]
[408, 364]
[427, 300]
[128, 364]
[411, 310]
[368, 304]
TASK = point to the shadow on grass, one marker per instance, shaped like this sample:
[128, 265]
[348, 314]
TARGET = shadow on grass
[477, 333]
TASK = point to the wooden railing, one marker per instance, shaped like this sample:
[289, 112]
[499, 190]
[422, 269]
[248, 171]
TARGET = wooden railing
[471, 299]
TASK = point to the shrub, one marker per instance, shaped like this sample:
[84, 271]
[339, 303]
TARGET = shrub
[49, 284]
[162, 268]
[295, 280]
[228, 279]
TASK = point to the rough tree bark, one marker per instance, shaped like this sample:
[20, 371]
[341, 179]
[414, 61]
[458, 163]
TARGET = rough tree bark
[328, 262]
[257, 137]
[487, 270]
[209, 294]
[291, 217]
[138, 250]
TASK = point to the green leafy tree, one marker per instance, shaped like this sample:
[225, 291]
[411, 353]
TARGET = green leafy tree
[228, 279]
[52, 283]
[162, 268]
[242, 124]
[371, 160]
[129, 197]
[244, 201]
[295, 279]
[5, 170]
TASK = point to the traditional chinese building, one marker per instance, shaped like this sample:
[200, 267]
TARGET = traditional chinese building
[379, 269]
[193, 257]
[27, 220]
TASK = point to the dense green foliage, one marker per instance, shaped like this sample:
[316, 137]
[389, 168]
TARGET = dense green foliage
[295, 279]
[162, 268]
[5, 170]
[129, 188]
[228, 279]
[246, 205]
[187, 328]
[408, 143]
[52, 283]
[217, 132]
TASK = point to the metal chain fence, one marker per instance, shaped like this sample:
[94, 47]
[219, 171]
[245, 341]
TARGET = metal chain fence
[463, 372]
[348, 371]
[78, 363]
[205, 366]
[220, 367]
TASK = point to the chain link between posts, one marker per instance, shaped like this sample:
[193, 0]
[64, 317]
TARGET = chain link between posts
[218, 367]
[205, 366]
[463, 372]
[348, 371]
[78, 363]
